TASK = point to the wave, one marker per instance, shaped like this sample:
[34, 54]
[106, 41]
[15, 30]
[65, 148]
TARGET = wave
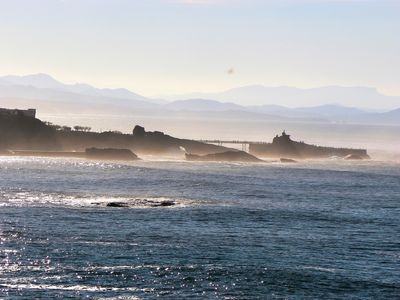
[320, 269]
[83, 288]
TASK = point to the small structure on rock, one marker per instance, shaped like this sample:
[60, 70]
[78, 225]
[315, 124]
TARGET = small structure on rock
[284, 146]
[31, 112]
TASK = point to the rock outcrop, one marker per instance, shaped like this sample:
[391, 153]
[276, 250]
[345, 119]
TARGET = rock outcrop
[284, 146]
[110, 154]
[139, 131]
[142, 203]
[26, 133]
[287, 160]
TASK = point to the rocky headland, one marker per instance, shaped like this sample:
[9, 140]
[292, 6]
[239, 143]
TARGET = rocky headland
[21, 135]
[284, 146]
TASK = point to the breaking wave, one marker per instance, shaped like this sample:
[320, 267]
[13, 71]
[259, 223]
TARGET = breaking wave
[21, 198]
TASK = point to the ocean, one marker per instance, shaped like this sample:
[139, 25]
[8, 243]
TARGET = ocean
[312, 230]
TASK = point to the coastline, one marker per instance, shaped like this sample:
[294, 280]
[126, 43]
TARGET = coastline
[24, 135]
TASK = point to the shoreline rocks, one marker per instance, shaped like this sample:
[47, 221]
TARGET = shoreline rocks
[141, 203]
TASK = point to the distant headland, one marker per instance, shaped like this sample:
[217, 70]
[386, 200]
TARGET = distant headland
[22, 134]
[284, 146]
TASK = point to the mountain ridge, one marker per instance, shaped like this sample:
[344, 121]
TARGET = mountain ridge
[45, 81]
[254, 95]
[47, 94]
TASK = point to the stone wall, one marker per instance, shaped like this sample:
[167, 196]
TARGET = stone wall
[15, 112]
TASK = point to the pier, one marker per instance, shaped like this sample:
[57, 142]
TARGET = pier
[244, 144]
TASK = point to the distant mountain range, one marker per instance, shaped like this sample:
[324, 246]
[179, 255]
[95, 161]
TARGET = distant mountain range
[44, 81]
[292, 97]
[53, 97]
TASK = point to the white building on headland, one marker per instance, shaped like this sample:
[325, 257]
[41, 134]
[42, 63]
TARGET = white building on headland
[16, 112]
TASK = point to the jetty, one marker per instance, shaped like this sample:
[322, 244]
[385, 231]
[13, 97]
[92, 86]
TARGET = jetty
[284, 146]
[245, 145]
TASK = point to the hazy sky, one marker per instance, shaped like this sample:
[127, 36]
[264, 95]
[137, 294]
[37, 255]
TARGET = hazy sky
[157, 47]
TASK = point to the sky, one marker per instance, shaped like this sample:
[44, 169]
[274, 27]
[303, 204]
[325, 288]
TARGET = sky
[166, 47]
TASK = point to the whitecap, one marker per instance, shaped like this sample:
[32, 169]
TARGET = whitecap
[321, 269]
[24, 198]
[83, 288]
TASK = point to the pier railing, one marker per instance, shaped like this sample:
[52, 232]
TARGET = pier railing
[245, 144]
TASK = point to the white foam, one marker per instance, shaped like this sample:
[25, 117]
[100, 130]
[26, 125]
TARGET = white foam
[23, 198]
[321, 269]
[84, 288]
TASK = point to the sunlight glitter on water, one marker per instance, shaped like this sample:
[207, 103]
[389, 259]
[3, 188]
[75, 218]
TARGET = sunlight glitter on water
[245, 231]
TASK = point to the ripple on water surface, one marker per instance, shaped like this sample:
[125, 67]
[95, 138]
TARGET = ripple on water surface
[235, 232]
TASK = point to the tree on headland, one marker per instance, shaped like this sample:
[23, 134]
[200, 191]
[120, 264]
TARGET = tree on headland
[54, 126]
[68, 128]
[82, 128]
[61, 128]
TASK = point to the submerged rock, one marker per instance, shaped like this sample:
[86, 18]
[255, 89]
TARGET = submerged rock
[117, 204]
[141, 203]
[237, 156]
[163, 204]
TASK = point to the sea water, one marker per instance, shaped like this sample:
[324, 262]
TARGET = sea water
[321, 229]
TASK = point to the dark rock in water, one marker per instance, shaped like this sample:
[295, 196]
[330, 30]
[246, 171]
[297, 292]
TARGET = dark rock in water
[288, 160]
[238, 156]
[117, 204]
[148, 203]
[111, 154]
[354, 157]
[164, 204]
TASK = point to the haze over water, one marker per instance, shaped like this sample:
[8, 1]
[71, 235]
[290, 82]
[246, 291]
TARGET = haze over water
[382, 142]
[325, 71]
